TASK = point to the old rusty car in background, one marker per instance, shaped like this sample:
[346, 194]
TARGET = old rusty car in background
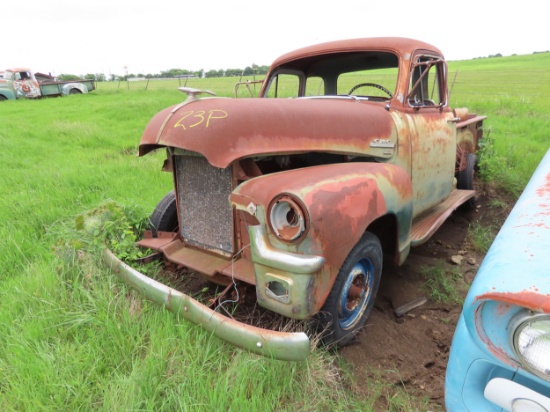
[500, 354]
[351, 154]
[20, 83]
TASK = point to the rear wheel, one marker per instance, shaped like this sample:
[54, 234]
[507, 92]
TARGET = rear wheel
[75, 91]
[352, 296]
[165, 215]
[465, 178]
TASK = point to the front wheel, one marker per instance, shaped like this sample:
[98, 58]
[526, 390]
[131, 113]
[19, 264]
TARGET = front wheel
[165, 215]
[352, 296]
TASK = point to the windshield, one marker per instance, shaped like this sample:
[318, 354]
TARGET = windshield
[363, 74]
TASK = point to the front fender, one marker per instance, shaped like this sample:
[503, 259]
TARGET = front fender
[342, 200]
[8, 94]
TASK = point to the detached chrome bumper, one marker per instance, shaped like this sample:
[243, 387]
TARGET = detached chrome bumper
[278, 345]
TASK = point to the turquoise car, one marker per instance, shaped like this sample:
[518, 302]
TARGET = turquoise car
[500, 354]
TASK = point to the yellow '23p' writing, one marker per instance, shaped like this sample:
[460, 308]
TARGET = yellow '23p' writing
[195, 118]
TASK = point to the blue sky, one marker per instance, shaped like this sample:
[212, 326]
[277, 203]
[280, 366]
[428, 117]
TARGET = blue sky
[102, 36]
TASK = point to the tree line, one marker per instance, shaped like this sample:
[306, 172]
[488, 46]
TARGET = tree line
[172, 73]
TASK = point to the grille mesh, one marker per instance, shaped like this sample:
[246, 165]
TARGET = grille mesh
[205, 215]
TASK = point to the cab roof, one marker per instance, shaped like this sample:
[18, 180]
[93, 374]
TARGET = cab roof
[397, 45]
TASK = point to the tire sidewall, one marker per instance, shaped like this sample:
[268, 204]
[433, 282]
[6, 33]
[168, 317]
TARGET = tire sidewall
[466, 178]
[165, 216]
[329, 321]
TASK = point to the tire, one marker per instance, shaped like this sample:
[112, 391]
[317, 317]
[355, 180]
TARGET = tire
[165, 215]
[342, 317]
[465, 178]
[75, 91]
[2, 97]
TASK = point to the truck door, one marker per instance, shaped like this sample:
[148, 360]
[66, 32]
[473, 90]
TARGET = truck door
[25, 84]
[433, 137]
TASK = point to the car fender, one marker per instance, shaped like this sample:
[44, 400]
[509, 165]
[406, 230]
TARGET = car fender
[341, 201]
[66, 88]
[7, 93]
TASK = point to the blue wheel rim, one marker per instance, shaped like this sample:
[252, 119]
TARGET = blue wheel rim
[356, 294]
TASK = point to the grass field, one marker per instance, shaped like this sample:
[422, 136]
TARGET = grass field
[72, 337]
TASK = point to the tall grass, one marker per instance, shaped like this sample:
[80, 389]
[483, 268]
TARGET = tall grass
[73, 337]
[515, 93]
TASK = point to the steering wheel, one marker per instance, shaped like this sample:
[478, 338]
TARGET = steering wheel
[371, 85]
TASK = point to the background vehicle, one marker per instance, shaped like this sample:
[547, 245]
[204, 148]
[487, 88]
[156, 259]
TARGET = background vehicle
[22, 82]
[500, 355]
[350, 155]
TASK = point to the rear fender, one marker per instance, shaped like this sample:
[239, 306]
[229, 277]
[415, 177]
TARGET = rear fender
[66, 88]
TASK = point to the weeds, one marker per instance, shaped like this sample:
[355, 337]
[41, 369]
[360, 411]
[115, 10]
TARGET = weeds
[442, 283]
[481, 237]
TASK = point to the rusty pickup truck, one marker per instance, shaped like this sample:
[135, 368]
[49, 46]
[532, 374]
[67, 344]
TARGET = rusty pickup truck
[19, 83]
[351, 155]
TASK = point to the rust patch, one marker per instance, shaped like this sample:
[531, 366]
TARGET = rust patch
[527, 298]
[544, 190]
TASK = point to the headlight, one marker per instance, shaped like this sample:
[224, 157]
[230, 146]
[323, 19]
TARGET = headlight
[287, 218]
[530, 335]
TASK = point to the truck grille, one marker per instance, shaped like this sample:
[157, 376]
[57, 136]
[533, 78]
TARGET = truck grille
[205, 215]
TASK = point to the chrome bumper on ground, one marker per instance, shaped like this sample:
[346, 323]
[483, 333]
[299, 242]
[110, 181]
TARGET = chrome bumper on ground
[278, 345]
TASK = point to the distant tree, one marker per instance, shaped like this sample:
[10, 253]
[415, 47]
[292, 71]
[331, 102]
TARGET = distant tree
[175, 73]
[65, 77]
[262, 69]
[211, 73]
[233, 72]
[100, 77]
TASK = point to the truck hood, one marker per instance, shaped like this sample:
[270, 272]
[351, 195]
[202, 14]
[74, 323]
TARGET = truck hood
[224, 130]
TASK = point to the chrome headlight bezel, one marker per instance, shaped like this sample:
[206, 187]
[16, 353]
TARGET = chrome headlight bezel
[522, 344]
[288, 218]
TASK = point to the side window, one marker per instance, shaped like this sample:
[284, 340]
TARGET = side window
[427, 82]
[315, 86]
[283, 85]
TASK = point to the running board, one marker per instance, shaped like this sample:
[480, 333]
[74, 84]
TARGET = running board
[424, 226]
